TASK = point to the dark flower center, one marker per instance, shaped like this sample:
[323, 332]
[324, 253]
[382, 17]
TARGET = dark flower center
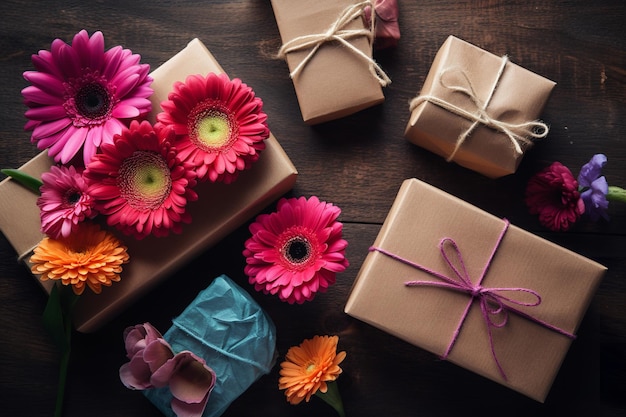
[92, 101]
[297, 250]
[89, 99]
[72, 197]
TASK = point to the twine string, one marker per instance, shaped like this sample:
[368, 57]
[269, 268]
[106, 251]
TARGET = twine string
[494, 304]
[337, 32]
[517, 133]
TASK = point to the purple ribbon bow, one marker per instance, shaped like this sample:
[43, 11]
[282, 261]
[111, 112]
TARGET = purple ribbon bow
[494, 306]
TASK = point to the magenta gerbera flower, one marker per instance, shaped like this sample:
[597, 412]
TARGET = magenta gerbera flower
[82, 95]
[140, 184]
[64, 201]
[219, 123]
[297, 250]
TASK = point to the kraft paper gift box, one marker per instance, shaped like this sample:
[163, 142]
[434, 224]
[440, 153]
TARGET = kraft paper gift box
[336, 80]
[478, 109]
[229, 330]
[533, 341]
[219, 210]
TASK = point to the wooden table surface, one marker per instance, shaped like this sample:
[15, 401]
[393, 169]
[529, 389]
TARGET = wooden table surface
[357, 163]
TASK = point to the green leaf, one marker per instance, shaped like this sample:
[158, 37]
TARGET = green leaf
[53, 319]
[26, 180]
[332, 398]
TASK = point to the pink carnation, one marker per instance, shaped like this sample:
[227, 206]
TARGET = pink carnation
[553, 195]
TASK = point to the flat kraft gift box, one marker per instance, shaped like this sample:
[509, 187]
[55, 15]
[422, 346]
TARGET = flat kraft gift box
[478, 109]
[219, 210]
[336, 80]
[439, 270]
[231, 332]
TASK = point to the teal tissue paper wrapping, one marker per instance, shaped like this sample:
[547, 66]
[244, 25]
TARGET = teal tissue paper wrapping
[227, 328]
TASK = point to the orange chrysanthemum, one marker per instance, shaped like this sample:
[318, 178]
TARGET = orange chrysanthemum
[88, 256]
[309, 367]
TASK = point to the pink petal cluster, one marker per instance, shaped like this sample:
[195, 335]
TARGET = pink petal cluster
[297, 250]
[64, 201]
[140, 184]
[153, 364]
[243, 125]
[81, 95]
[553, 195]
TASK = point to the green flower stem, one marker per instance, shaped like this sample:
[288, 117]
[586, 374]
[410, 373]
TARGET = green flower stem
[65, 361]
[57, 319]
[616, 194]
[333, 398]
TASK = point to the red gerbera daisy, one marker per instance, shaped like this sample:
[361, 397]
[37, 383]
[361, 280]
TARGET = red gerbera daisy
[64, 201]
[79, 93]
[297, 250]
[219, 123]
[140, 184]
[553, 195]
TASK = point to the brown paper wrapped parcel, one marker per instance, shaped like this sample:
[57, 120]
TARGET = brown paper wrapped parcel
[219, 210]
[329, 56]
[478, 110]
[530, 346]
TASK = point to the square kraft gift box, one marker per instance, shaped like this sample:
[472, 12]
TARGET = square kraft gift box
[478, 110]
[441, 267]
[333, 76]
[152, 259]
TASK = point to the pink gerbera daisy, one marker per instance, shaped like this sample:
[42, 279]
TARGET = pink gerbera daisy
[297, 250]
[80, 95]
[140, 184]
[64, 201]
[219, 123]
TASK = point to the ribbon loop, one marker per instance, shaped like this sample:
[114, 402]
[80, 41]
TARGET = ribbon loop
[517, 133]
[337, 32]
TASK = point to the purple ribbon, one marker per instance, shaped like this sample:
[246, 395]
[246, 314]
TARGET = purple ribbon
[493, 304]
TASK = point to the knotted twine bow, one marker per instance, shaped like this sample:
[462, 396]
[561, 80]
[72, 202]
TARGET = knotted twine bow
[336, 32]
[517, 134]
[493, 305]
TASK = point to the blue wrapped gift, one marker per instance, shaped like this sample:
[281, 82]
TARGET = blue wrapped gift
[227, 328]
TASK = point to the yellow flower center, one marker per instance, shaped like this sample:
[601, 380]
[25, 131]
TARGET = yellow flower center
[311, 367]
[212, 127]
[214, 131]
[145, 180]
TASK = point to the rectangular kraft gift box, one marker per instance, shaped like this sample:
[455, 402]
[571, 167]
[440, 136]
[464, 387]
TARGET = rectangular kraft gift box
[530, 353]
[219, 210]
[516, 96]
[335, 82]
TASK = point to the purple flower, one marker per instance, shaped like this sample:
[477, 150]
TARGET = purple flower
[594, 188]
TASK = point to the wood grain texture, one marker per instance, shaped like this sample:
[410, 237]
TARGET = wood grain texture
[358, 163]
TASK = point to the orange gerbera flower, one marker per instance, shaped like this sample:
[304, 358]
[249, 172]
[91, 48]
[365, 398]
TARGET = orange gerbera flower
[88, 256]
[309, 367]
